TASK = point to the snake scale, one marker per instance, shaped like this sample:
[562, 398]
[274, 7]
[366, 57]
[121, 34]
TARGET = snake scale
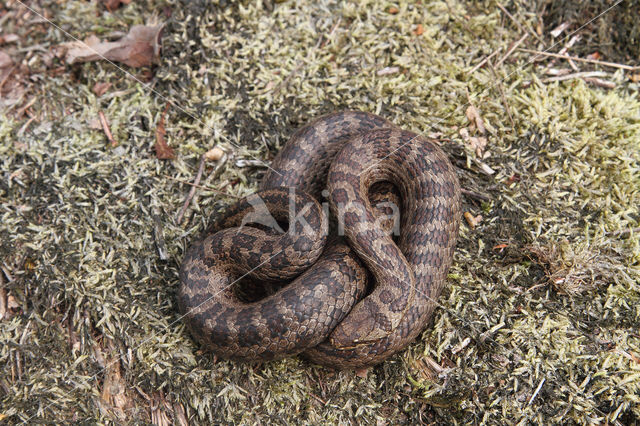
[347, 298]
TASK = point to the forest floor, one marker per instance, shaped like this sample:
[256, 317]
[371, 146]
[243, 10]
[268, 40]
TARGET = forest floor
[540, 320]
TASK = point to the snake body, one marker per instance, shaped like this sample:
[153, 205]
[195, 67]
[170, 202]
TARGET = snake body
[355, 300]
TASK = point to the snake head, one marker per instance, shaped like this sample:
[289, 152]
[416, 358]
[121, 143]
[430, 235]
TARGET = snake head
[367, 323]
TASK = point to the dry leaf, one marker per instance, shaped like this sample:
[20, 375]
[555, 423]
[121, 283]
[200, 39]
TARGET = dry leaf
[388, 71]
[141, 47]
[595, 56]
[393, 10]
[163, 151]
[112, 5]
[477, 144]
[5, 60]
[362, 372]
[214, 154]
[8, 38]
[634, 77]
[114, 399]
[514, 178]
[419, 30]
[474, 117]
[472, 220]
[559, 29]
[100, 88]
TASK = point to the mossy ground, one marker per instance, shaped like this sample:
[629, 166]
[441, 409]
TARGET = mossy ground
[540, 322]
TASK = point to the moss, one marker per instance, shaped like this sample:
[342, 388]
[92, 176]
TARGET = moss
[91, 330]
[616, 35]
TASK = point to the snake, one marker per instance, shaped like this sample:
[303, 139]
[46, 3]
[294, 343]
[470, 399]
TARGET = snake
[353, 280]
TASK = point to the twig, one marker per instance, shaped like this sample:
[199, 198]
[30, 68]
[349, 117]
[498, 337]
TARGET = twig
[575, 58]
[623, 232]
[504, 98]
[515, 21]
[285, 82]
[206, 188]
[158, 234]
[7, 274]
[484, 167]
[26, 106]
[584, 74]
[511, 50]
[24, 127]
[192, 191]
[474, 194]
[106, 129]
[484, 61]
[6, 77]
[163, 151]
[3, 300]
[537, 390]
[600, 82]
[322, 401]
[573, 40]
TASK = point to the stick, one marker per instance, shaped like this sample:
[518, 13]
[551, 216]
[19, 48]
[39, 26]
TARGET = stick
[6, 77]
[484, 61]
[474, 194]
[158, 234]
[206, 188]
[105, 128]
[584, 74]
[623, 232]
[192, 191]
[575, 58]
[600, 82]
[504, 98]
[511, 50]
[537, 390]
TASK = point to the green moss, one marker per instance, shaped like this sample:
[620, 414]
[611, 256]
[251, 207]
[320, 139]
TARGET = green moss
[93, 332]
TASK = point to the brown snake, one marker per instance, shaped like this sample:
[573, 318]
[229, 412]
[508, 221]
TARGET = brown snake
[328, 311]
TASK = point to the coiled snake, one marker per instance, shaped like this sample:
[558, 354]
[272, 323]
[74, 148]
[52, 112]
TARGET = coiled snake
[355, 300]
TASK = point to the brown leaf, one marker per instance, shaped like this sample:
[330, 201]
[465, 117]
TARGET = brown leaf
[634, 77]
[100, 88]
[112, 5]
[477, 144]
[393, 10]
[141, 47]
[595, 56]
[8, 38]
[115, 400]
[474, 117]
[163, 151]
[362, 372]
[472, 220]
[419, 30]
[5, 60]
